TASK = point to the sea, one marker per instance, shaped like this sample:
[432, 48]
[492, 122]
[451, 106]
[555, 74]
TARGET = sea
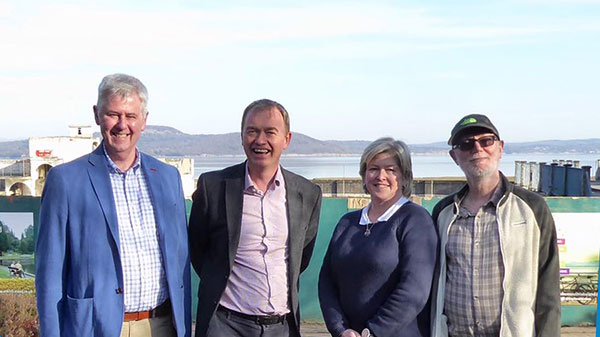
[423, 165]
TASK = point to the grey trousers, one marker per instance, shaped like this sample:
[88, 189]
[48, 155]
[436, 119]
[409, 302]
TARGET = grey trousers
[223, 324]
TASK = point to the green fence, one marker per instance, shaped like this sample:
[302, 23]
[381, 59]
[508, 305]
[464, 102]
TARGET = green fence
[331, 210]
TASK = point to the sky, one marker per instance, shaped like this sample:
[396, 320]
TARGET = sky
[17, 222]
[343, 69]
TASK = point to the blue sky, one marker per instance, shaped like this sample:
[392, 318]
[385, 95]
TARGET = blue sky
[343, 69]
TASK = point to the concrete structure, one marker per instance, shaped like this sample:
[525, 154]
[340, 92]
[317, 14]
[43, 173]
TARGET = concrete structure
[352, 187]
[186, 170]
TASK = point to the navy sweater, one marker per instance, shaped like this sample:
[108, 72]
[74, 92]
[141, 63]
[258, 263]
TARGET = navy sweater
[381, 281]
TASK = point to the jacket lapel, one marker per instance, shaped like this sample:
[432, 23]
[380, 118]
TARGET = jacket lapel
[234, 198]
[155, 187]
[295, 219]
[98, 173]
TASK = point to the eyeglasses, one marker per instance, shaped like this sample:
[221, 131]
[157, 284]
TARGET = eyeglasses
[469, 144]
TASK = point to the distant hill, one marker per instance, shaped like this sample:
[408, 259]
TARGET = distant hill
[14, 148]
[168, 141]
[591, 145]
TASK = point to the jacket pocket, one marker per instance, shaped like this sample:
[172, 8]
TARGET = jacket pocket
[78, 317]
[519, 223]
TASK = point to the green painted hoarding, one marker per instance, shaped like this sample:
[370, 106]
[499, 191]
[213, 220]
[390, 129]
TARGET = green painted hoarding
[333, 208]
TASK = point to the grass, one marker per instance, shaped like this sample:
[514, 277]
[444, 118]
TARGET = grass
[4, 273]
[15, 256]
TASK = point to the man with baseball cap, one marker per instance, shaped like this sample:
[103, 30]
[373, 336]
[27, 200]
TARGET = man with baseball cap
[498, 273]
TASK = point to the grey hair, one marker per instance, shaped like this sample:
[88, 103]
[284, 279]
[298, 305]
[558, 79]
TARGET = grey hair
[266, 104]
[124, 86]
[399, 150]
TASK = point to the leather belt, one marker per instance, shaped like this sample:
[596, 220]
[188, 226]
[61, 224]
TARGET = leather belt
[162, 310]
[258, 319]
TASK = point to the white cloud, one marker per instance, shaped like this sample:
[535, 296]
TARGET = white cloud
[62, 36]
[351, 20]
[53, 57]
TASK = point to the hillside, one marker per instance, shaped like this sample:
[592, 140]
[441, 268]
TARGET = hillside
[168, 141]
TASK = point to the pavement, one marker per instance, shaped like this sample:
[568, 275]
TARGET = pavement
[319, 330]
[588, 331]
[312, 329]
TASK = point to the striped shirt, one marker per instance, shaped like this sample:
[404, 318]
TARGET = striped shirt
[473, 300]
[144, 280]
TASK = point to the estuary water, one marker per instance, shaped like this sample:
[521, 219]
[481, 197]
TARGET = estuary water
[423, 165]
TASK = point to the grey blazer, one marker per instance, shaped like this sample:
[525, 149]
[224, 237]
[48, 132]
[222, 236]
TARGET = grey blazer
[214, 234]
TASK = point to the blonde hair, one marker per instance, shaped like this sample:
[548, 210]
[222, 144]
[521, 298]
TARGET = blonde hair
[399, 150]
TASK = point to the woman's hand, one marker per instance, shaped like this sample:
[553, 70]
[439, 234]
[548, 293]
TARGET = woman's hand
[350, 333]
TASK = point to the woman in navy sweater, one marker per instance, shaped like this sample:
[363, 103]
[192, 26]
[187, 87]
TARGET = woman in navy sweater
[377, 272]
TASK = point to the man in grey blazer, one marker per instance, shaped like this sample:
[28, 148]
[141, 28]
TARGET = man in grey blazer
[252, 232]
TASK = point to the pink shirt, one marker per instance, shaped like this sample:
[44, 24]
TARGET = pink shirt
[258, 283]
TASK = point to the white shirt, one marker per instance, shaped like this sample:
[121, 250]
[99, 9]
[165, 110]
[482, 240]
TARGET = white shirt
[364, 217]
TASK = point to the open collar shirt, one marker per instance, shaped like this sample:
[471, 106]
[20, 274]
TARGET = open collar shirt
[144, 280]
[258, 284]
[475, 271]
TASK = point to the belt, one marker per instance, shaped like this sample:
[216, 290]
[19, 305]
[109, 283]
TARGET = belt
[258, 319]
[162, 310]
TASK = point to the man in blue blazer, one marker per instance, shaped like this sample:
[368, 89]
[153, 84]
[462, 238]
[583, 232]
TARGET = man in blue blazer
[112, 253]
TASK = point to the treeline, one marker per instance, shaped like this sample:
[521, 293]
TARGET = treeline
[10, 243]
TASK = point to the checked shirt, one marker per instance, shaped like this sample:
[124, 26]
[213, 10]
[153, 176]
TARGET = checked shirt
[475, 271]
[145, 284]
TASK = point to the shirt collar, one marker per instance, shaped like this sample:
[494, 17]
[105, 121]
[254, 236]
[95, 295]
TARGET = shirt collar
[114, 168]
[498, 193]
[364, 217]
[494, 199]
[277, 181]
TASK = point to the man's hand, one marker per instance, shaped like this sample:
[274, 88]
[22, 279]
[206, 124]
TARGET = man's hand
[350, 333]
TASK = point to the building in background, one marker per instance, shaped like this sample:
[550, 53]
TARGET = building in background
[26, 176]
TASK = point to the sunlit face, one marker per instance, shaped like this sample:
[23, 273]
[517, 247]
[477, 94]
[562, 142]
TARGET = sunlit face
[121, 122]
[479, 161]
[383, 179]
[264, 137]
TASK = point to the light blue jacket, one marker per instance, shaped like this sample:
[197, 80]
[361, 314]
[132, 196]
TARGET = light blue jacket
[79, 277]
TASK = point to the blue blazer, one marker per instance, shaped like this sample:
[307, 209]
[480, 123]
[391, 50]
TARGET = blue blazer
[79, 277]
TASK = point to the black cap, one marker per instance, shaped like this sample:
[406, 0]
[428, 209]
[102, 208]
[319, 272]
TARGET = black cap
[469, 122]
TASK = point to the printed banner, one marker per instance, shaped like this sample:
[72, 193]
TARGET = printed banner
[578, 246]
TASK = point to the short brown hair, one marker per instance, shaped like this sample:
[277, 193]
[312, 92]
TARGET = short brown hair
[266, 104]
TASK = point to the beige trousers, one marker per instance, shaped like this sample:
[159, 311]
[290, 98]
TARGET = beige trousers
[151, 327]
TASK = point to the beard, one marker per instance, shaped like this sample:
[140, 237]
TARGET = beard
[476, 171]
